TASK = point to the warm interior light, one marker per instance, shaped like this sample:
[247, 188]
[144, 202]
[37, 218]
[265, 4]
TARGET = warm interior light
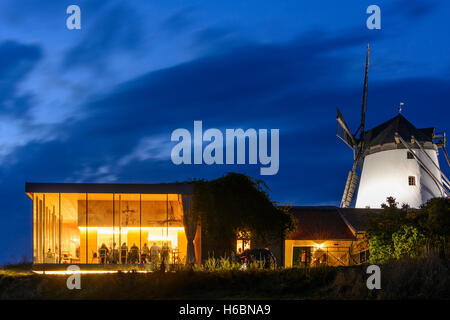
[155, 234]
[124, 229]
[65, 272]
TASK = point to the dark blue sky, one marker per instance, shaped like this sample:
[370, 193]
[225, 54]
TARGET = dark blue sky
[99, 104]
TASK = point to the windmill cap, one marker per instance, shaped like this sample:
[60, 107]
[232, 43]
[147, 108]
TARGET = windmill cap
[385, 132]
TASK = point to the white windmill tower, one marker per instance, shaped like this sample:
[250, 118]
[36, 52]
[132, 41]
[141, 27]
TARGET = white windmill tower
[395, 159]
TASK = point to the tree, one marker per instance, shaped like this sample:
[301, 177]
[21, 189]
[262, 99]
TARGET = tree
[400, 232]
[237, 203]
[437, 223]
[381, 228]
[381, 249]
[406, 241]
[438, 216]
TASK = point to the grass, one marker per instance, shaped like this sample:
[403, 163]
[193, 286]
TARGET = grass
[406, 279]
[12, 270]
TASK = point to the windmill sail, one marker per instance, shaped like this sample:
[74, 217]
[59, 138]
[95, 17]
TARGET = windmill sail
[358, 146]
[350, 187]
[364, 99]
[446, 155]
[441, 184]
[343, 131]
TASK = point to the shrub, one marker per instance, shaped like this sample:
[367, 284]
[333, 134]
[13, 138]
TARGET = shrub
[381, 249]
[407, 241]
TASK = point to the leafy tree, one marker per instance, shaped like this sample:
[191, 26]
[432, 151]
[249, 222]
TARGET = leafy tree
[392, 217]
[236, 203]
[381, 249]
[437, 223]
[400, 232]
[438, 216]
[381, 227]
[406, 241]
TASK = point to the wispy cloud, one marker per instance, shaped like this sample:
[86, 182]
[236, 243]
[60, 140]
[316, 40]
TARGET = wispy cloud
[116, 30]
[180, 20]
[149, 148]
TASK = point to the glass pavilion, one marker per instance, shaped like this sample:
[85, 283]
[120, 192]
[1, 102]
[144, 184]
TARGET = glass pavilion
[113, 224]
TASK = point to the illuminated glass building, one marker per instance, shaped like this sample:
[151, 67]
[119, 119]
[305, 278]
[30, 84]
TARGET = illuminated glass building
[113, 224]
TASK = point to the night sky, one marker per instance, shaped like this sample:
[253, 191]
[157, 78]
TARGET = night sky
[99, 104]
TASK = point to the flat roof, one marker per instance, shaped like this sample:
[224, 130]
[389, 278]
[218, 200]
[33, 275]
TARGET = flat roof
[156, 188]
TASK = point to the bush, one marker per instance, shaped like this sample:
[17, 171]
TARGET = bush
[403, 232]
[381, 249]
[407, 278]
[407, 241]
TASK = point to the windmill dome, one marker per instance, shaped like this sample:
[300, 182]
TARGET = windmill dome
[385, 133]
[392, 165]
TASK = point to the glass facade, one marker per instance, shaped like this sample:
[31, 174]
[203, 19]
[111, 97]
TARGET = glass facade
[108, 228]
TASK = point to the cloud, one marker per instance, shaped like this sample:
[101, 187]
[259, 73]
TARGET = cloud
[115, 30]
[295, 86]
[413, 9]
[16, 61]
[256, 82]
[148, 148]
[179, 21]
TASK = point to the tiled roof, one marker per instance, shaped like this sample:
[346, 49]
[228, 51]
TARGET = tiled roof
[357, 217]
[319, 223]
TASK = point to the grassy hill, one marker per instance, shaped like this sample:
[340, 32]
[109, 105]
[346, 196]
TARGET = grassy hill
[406, 279]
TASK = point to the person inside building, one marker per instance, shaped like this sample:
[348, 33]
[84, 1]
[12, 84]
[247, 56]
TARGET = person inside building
[103, 253]
[49, 256]
[165, 253]
[134, 254]
[144, 253]
[123, 253]
[114, 254]
[154, 253]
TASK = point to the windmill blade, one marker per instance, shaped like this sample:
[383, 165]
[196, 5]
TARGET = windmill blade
[343, 132]
[364, 99]
[446, 155]
[446, 180]
[350, 186]
[439, 183]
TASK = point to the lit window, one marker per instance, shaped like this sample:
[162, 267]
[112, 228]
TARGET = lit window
[409, 155]
[243, 241]
[412, 180]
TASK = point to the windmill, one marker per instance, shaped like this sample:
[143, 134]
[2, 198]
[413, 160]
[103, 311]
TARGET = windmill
[356, 144]
[395, 159]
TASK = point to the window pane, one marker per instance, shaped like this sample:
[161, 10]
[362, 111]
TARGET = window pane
[162, 228]
[38, 251]
[100, 227]
[46, 228]
[129, 227]
[73, 228]
[51, 227]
